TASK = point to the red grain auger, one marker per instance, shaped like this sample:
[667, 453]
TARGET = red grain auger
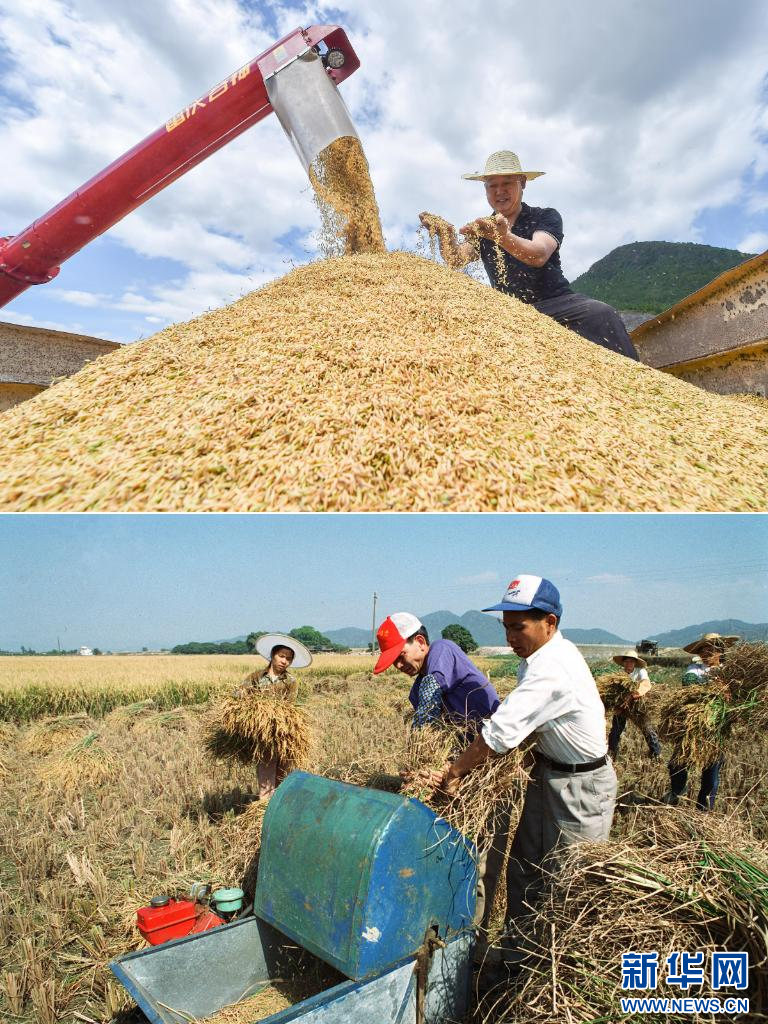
[296, 78]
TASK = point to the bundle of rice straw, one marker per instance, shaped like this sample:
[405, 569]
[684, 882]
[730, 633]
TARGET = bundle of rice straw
[52, 734]
[257, 728]
[85, 763]
[697, 720]
[481, 794]
[616, 689]
[677, 882]
[745, 675]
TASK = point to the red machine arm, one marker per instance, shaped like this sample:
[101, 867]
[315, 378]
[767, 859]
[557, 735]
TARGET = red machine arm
[34, 255]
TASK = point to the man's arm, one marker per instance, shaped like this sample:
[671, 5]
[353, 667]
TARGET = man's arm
[534, 252]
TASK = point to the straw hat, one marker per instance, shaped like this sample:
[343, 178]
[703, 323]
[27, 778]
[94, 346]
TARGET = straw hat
[632, 653]
[266, 644]
[711, 640]
[503, 162]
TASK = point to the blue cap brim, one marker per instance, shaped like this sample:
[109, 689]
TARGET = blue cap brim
[506, 607]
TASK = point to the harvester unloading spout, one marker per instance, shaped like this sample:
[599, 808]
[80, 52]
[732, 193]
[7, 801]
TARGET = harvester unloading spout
[309, 106]
[297, 78]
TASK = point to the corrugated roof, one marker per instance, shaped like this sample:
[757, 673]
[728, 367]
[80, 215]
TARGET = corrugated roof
[727, 277]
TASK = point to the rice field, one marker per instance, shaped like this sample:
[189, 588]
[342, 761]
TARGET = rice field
[99, 812]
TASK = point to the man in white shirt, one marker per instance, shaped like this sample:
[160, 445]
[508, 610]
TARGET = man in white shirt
[572, 790]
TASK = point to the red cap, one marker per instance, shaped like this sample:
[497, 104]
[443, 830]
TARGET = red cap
[392, 635]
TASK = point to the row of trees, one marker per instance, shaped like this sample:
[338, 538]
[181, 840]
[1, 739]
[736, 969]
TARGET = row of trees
[312, 639]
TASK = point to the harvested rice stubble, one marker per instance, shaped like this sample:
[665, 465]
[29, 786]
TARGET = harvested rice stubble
[378, 382]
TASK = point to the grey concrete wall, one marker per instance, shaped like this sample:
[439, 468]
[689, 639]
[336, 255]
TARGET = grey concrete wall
[12, 394]
[717, 329]
[33, 355]
[743, 373]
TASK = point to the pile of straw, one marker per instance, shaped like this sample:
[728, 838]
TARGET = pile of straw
[51, 734]
[481, 795]
[242, 838]
[83, 764]
[616, 689]
[386, 382]
[678, 882]
[697, 720]
[258, 728]
[344, 195]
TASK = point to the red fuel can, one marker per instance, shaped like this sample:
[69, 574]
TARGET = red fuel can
[166, 918]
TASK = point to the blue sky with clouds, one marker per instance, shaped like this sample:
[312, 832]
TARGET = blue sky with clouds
[650, 119]
[125, 582]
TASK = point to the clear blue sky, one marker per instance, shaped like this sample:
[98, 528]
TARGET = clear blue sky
[125, 582]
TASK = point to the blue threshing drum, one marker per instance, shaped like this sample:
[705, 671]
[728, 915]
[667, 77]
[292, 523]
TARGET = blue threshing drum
[357, 876]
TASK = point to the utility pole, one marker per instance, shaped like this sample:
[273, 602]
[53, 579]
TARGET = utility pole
[373, 623]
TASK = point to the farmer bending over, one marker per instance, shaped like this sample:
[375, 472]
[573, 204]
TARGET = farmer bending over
[447, 687]
[572, 789]
[709, 648]
[520, 249]
[281, 653]
[637, 670]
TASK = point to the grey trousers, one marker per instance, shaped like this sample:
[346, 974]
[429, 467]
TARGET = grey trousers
[559, 809]
[596, 321]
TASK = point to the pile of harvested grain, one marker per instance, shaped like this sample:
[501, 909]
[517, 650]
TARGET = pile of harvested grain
[258, 728]
[345, 198]
[678, 882]
[376, 382]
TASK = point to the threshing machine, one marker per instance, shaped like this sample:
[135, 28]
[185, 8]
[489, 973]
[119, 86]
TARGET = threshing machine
[373, 884]
[296, 78]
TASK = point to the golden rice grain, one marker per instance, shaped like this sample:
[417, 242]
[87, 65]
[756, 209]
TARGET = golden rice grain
[376, 382]
[345, 198]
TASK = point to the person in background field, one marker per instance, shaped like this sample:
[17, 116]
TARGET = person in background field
[520, 249]
[637, 670]
[572, 789]
[281, 653]
[447, 687]
[709, 649]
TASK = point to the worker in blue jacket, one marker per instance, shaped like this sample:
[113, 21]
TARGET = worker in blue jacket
[447, 687]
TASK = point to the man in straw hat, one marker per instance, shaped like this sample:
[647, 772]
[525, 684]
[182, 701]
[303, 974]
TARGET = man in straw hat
[572, 789]
[710, 649]
[281, 653]
[637, 670]
[520, 249]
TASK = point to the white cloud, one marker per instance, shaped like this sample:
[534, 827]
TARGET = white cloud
[638, 133]
[756, 242]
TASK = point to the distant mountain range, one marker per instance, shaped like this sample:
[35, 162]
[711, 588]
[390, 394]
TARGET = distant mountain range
[652, 276]
[726, 627]
[487, 631]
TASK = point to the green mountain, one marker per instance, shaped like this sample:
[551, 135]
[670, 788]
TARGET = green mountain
[726, 627]
[652, 276]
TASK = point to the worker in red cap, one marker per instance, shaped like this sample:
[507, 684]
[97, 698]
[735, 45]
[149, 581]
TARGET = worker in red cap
[572, 789]
[447, 686]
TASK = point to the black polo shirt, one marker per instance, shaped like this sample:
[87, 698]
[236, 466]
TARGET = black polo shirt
[529, 284]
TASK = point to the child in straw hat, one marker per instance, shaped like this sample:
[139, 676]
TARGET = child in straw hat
[281, 653]
[637, 670]
[520, 249]
[709, 649]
